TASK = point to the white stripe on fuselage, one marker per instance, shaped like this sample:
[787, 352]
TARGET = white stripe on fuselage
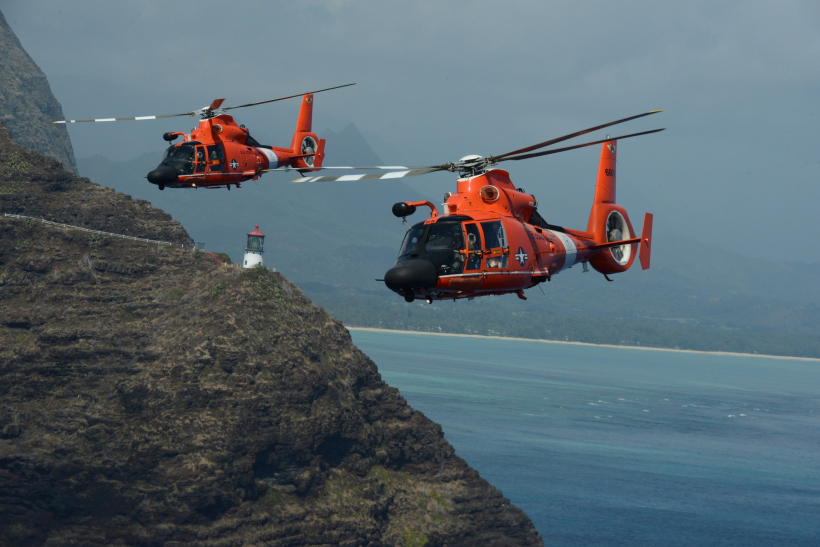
[569, 246]
[273, 159]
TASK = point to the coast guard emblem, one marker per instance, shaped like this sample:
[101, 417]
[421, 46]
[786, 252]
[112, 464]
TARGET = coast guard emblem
[521, 256]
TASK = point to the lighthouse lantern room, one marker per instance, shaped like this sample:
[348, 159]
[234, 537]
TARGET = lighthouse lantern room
[254, 249]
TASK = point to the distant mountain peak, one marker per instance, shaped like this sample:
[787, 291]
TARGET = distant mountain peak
[27, 105]
[348, 147]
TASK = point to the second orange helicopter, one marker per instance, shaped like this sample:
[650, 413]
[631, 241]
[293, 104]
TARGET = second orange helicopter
[220, 153]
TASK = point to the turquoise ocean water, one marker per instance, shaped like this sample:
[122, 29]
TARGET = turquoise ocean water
[616, 446]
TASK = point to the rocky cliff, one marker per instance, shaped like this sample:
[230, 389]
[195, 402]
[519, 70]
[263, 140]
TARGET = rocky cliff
[27, 106]
[149, 396]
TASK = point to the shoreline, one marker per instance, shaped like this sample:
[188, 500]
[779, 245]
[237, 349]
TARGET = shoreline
[542, 341]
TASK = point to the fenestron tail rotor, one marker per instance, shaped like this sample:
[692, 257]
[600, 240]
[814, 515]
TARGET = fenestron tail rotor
[207, 112]
[475, 164]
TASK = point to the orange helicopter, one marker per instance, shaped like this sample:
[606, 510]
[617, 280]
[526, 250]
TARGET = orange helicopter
[490, 238]
[220, 153]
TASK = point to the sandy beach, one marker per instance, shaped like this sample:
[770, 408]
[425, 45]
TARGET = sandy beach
[583, 343]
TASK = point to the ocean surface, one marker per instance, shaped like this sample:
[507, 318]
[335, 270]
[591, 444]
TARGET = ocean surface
[616, 446]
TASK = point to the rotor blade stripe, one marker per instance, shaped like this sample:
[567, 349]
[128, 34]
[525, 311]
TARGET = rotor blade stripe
[394, 175]
[120, 119]
[128, 119]
[374, 176]
[380, 167]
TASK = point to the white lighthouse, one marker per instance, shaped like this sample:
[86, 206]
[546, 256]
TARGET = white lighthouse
[254, 249]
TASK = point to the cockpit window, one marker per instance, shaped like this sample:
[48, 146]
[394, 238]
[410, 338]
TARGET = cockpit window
[445, 236]
[411, 239]
[181, 157]
[182, 152]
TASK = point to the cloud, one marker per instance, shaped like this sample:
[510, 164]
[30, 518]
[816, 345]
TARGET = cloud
[438, 80]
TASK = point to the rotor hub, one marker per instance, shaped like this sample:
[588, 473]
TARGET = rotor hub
[470, 165]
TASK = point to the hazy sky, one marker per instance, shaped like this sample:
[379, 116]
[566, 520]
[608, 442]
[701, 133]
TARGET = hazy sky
[740, 82]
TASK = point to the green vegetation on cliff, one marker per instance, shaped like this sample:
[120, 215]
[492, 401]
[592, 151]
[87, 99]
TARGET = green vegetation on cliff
[149, 396]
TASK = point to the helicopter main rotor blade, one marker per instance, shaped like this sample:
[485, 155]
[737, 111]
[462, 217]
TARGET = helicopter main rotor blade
[208, 111]
[135, 118]
[283, 98]
[555, 151]
[374, 176]
[570, 136]
[379, 167]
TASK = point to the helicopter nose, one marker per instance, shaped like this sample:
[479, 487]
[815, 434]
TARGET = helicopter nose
[419, 273]
[164, 174]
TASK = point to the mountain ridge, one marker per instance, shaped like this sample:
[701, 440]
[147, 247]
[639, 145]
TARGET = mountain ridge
[151, 396]
[27, 105]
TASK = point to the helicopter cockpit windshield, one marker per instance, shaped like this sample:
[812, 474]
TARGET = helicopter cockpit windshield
[183, 152]
[439, 243]
[411, 240]
[181, 157]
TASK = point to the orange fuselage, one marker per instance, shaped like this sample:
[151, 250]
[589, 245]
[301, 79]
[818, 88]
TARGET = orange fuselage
[491, 240]
[221, 153]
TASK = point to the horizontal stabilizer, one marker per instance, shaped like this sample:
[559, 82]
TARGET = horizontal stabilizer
[615, 243]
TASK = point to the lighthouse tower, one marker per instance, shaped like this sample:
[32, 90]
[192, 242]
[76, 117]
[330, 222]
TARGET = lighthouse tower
[254, 249]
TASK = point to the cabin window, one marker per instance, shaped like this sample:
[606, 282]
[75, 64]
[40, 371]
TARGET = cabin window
[216, 158]
[201, 161]
[473, 247]
[494, 236]
[495, 244]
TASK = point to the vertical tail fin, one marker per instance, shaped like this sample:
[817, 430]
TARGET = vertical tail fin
[605, 184]
[305, 121]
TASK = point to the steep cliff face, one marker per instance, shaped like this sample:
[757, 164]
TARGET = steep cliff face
[149, 396]
[27, 106]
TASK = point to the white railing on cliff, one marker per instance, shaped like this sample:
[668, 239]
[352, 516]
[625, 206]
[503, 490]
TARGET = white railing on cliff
[69, 226]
